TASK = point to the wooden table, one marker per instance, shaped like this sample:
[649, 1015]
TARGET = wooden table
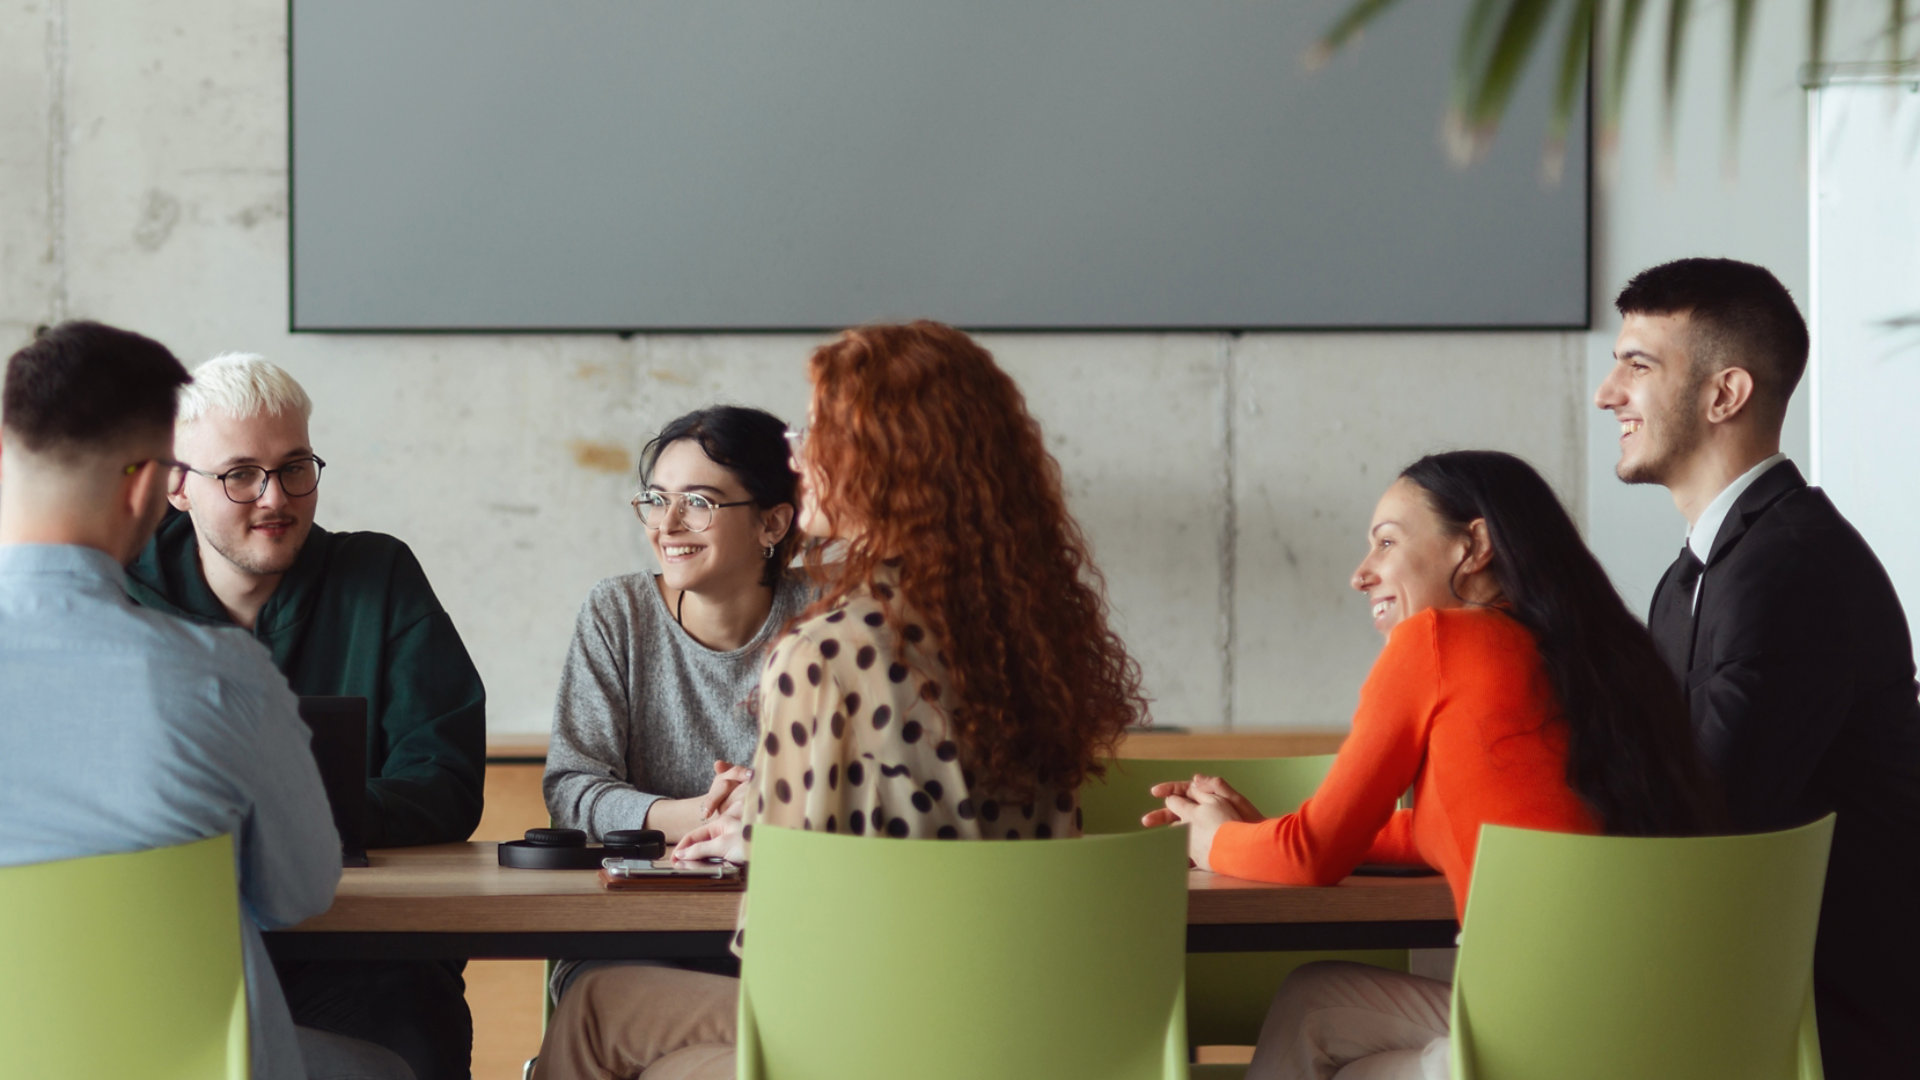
[455, 900]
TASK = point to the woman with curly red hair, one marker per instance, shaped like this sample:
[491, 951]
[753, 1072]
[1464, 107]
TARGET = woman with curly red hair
[956, 678]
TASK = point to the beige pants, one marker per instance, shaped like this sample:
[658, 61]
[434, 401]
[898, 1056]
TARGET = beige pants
[629, 1020]
[1354, 1022]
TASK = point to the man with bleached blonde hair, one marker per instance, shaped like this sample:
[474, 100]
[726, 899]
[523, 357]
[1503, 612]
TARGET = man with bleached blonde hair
[347, 614]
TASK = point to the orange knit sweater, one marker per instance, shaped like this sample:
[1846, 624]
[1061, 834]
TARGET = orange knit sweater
[1458, 706]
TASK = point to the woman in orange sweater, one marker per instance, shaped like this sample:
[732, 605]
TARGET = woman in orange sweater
[1515, 688]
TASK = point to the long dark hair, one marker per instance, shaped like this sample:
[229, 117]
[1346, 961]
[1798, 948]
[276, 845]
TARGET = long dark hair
[1630, 749]
[752, 445]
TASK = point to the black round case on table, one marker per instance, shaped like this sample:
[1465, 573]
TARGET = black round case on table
[567, 849]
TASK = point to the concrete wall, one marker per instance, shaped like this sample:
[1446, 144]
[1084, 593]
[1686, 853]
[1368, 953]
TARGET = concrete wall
[1225, 480]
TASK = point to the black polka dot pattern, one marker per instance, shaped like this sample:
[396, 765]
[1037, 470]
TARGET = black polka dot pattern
[773, 744]
[833, 824]
[946, 751]
[933, 788]
[881, 715]
[922, 803]
[894, 770]
[853, 704]
[913, 633]
[874, 618]
[813, 674]
[799, 734]
[897, 827]
[806, 779]
[1043, 831]
[855, 774]
[856, 823]
[837, 615]
[830, 648]
[897, 672]
[833, 777]
[910, 731]
[864, 658]
[1063, 802]
[964, 809]
[838, 725]
[947, 832]
[783, 791]
[786, 685]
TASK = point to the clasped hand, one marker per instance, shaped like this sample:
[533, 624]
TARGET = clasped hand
[719, 837]
[1203, 804]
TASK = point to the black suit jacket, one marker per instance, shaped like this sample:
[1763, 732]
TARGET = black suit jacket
[1800, 682]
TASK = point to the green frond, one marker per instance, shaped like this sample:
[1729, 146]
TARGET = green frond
[1743, 11]
[1676, 47]
[1574, 48]
[1355, 19]
[1626, 29]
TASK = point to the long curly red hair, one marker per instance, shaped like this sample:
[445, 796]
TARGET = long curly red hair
[925, 447]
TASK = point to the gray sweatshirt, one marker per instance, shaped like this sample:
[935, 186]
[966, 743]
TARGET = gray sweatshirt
[644, 710]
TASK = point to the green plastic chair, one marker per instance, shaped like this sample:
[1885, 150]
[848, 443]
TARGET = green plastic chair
[959, 960]
[124, 965]
[1227, 993]
[1595, 958]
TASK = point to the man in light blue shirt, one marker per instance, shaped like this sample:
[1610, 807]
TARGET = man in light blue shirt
[122, 729]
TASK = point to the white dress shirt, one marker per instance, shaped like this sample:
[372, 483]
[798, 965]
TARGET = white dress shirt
[1701, 537]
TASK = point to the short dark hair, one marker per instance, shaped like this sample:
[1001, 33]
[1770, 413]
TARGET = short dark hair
[751, 444]
[81, 385]
[1740, 314]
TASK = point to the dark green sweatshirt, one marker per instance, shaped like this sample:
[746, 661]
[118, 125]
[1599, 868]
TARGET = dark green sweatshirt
[355, 616]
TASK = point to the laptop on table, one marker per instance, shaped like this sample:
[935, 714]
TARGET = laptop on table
[339, 727]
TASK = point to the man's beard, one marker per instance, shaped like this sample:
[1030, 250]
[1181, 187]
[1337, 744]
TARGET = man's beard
[1682, 435]
[248, 563]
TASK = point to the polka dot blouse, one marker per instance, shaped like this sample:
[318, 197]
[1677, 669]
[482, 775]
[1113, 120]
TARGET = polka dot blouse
[854, 737]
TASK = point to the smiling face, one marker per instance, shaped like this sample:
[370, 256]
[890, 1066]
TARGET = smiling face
[1656, 395]
[1412, 557]
[258, 539]
[729, 555]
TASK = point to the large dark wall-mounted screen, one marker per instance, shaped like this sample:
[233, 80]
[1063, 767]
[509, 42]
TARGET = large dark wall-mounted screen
[487, 165]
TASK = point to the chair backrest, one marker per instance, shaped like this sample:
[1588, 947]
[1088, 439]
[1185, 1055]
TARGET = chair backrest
[1227, 993]
[124, 965]
[1605, 957]
[945, 959]
[1114, 803]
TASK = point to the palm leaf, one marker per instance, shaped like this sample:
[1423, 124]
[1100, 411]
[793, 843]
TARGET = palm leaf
[1354, 21]
[1817, 32]
[1742, 40]
[1574, 48]
[1676, 45]
[1492, 85]
[1628, 27]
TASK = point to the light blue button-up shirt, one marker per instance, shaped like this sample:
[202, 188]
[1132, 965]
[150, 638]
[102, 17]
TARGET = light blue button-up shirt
[122, 729]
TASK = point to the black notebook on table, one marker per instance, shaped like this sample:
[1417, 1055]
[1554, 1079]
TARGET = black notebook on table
[339, 727]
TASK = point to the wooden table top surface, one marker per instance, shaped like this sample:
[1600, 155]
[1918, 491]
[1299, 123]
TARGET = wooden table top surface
[461, 888]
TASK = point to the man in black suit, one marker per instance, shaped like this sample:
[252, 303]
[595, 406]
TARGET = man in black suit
[1785, 631]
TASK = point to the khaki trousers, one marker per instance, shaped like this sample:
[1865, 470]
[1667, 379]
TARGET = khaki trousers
[1336, 1020]
[630, 1020]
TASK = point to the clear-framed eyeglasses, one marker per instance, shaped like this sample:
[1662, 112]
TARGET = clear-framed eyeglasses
[246, 483]
[696, 510]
